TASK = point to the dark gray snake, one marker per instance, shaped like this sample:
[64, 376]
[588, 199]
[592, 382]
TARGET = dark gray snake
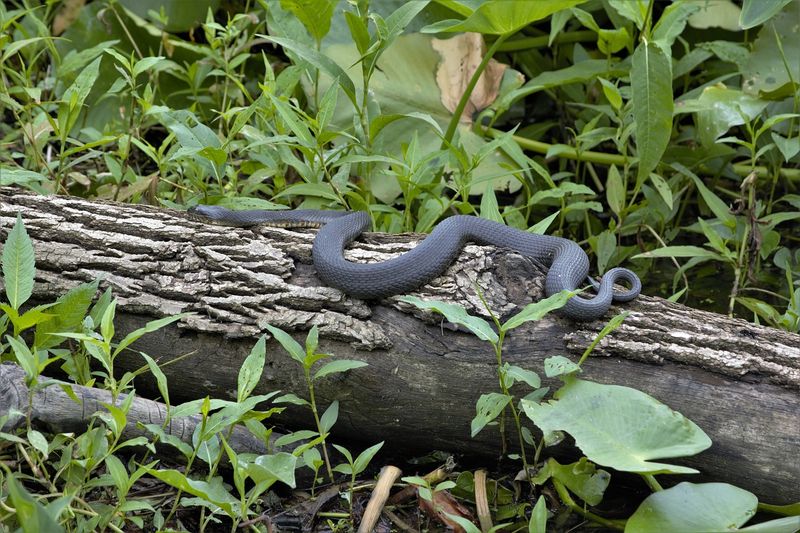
[568, 263]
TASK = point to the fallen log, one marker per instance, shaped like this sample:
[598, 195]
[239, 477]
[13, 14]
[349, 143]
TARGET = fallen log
[739, 382]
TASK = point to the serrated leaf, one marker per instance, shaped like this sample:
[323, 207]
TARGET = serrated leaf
[68, 314]
[18, 265]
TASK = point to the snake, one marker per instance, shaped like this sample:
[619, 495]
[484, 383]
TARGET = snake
[568, 264]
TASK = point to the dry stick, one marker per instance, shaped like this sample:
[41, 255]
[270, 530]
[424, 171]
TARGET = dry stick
[377, 500]
[482, 502]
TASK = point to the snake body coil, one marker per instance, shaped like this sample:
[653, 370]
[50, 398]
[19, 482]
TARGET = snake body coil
[569, 265]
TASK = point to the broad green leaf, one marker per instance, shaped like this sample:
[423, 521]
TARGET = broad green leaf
[31, 516]
[329, 417]
[397, 21]
[672, 21]
[294, 120]
[213, 492]
[147, 63]
[771, 70]
[38, 441]
[68, 314]
[789, 524]
[619, 427]
[118, 472]
[28, 360]
[613, 95]
[541, 227]
[680, 251]
[18, 265]
[633, 10]
[755, 12]
[76, 94]
[314, 14]
[694, 508]
[581, 478]
[717, 206]
[538, 520]
[537, 310]
[289, 344]
[662, 187]
[381, 121]
[489, 208]
[651, 95]
[488, 408]
[364, 458]
[335, 367]
[502, 18]
[322, 62]
[456, 314]
[558, 365]
[604, 246]
[271, 468]
[252, 368]
[161, 379]
[150, 327]
[719, 108]
[516, 373]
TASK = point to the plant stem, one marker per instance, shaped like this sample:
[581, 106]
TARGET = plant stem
[563, 493]
[651, 481]
[462, 103]
[742, 169]
[527, 43]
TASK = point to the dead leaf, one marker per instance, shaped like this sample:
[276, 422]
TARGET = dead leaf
[461, 56]
[444, 504]
[70, 9]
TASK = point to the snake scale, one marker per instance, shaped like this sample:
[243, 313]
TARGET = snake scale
[568, 263]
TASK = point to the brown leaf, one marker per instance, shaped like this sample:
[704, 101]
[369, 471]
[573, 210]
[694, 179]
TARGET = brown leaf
[461, 56]
[70, 9]
[444, 504]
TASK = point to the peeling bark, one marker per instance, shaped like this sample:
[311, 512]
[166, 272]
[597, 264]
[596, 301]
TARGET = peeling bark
[738, 381]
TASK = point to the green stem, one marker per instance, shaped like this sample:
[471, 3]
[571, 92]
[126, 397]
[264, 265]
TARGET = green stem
[542, 41]
[791, 174]
[651, 481]
[462, 103]
[565, 496]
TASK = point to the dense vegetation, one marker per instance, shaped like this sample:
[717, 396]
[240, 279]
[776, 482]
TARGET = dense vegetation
[664, 137]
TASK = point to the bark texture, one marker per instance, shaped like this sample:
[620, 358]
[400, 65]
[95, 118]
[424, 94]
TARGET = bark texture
[737, 381]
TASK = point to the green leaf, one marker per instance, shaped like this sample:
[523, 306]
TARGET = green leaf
[651, 95]
[322, 62]
[271, 468]
[252, 368]
[147, 63]
[118, 473]
[619, 427]
[520, 374]
[489, 208]
[771, 70]
[161, 379]
[150, 327]
[581, 478]
[558, 365]
[604, 245]
[538, 521]
[335, 367]
[672, 22]
[789, 524]
[38, 441]
[612, 94]
[364, 458]
[314, 14]
[68, 314]
[502, 18]
[541, 227]
[488, 408]
[717, 206]
[289, 344]
[213, 492]
[18, 265]
[456, 314]
[680, 251]
[28, 360]
[537, 310]
[755, 12]
[662, 187]
[329, 417]
[694, 508]
[633, 10]
[31, 516]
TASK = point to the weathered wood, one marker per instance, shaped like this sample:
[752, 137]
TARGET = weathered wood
[737, 381]
[48, 407]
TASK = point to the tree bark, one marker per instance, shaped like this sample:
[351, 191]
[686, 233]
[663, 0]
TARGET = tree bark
[739, 382]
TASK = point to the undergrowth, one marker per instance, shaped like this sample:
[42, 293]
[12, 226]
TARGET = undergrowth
[660, 136]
